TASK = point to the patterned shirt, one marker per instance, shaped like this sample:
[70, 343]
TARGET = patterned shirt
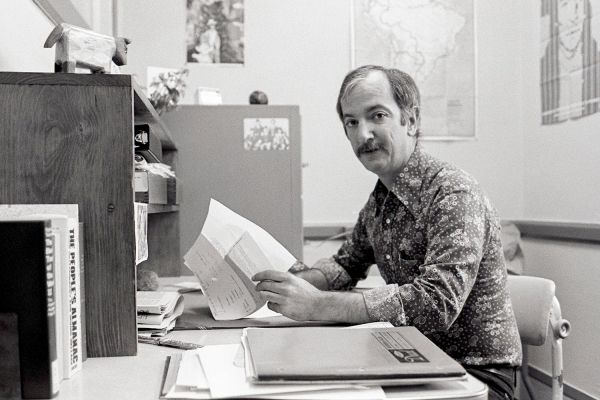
[436, 240]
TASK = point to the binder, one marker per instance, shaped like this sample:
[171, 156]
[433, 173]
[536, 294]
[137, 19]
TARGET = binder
[383, 356]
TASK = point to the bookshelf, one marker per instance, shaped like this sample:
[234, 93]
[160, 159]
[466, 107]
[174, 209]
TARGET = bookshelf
[67, 138]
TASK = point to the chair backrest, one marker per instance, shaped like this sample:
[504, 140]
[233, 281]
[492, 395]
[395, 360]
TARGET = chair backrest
[532, 303]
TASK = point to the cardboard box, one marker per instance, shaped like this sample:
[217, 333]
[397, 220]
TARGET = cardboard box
[150, 188]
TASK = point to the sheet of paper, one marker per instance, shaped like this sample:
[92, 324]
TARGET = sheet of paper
[181, 393]
[227, 378]
[190, 372]
[141, 232]
[263, 312]
[227, 295]
[223, 228]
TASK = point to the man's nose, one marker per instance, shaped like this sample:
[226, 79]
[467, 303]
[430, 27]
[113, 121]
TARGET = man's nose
[365, 132]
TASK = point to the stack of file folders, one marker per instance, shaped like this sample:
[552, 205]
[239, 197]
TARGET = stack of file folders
[157, 312]
[309, 362]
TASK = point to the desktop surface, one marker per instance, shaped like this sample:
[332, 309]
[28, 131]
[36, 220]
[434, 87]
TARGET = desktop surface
[140, 377]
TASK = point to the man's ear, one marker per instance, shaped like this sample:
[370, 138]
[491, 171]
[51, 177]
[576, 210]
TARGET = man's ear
[415, 115]
[412, 121]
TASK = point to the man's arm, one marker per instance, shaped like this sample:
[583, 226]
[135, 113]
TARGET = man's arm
[299, 299]
[301, 293]
[315, 277]
[457, 231]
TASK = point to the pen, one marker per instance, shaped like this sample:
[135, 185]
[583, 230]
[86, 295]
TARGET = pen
[178, 344]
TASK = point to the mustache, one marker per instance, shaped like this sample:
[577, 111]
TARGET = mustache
[366, 147]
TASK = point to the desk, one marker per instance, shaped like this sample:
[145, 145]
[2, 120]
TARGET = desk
[140, 377]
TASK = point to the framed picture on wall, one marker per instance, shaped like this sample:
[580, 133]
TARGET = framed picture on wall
[434, 42]
[215, 32]
[570, 60]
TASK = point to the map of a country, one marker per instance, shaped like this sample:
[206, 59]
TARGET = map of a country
[434, 42]
[420, 32]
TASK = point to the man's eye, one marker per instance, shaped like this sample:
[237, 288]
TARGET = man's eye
[350, 123]
[379, 115]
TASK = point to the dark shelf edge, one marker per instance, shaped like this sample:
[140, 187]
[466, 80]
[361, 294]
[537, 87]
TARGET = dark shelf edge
[162, 208]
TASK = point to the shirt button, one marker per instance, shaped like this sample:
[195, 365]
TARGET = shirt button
[387, 256]
[387, 221]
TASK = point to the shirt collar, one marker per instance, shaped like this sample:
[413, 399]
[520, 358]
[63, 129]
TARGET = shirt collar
[408, 184]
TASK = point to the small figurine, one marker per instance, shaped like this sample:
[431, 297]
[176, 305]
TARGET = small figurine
[82, 48]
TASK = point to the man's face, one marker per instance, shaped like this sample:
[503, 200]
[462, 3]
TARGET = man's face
[371, 118]
[571, 16]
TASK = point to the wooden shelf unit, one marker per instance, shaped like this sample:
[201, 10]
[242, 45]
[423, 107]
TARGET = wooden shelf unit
[68, 138]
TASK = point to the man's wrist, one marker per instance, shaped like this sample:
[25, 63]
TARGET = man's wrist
[348, 307]
[315, 277]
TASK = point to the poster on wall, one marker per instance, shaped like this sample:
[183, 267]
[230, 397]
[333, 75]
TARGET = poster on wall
[266, 134]
[433, 42]
[215, 32]
[569, 63]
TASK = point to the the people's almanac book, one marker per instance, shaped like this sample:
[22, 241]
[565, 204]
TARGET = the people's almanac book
[383, 356]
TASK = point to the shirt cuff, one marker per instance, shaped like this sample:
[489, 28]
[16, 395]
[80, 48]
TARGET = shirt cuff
[336, 276]
[385, 304]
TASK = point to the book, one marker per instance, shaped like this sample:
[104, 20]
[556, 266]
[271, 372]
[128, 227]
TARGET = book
[156, 302]
[65, 226]
[27, 288]
[227, 253]
[10, 377]
[82, 292]
[384, 356]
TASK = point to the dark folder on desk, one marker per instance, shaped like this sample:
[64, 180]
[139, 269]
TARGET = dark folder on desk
[397, 355]
[197, 316]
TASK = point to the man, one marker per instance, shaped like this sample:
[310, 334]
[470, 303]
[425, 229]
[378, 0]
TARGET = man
[209, 49]
[429, 228]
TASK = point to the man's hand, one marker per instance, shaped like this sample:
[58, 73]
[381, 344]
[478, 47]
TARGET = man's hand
[298, 299]
[288, 294]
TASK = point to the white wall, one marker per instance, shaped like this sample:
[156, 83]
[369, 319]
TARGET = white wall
[298, 53]
[24, 31]
[575, 268]
[561, 175]
[562, 162]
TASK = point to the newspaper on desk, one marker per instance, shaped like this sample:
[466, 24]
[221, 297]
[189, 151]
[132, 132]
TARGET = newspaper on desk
[228, 252]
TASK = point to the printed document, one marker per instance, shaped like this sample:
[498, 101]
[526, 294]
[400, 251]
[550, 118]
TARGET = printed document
[228, 252]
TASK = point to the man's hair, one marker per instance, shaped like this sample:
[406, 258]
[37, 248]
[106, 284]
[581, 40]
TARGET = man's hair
[405, 91]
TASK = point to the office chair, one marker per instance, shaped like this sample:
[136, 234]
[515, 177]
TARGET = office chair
[536, 308]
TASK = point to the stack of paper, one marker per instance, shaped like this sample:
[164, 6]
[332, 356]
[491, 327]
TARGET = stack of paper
[157, 312]
[216, 372]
